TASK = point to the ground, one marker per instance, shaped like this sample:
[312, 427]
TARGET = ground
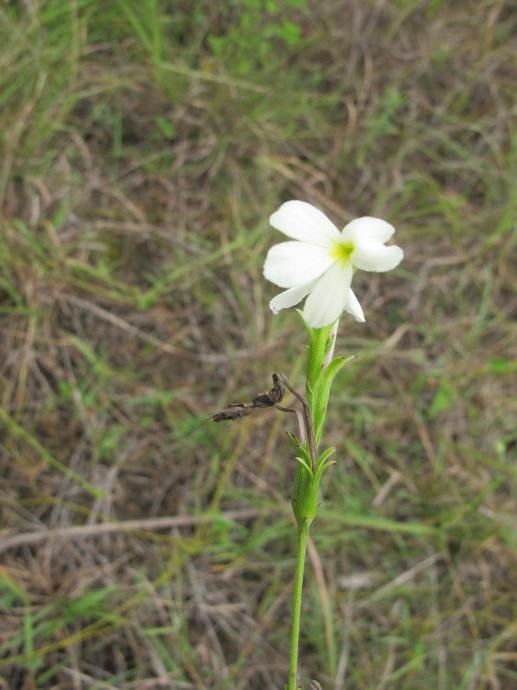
[144, 146]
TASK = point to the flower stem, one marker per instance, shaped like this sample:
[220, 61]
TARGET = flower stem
[301, 548]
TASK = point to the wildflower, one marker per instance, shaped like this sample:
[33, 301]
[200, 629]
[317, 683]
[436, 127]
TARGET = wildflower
[320, 261]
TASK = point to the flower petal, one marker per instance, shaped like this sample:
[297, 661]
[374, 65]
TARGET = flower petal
[354, 308]
[372, 256]
[368, 229]
[329, 296]
[290, 264]
[291, 297]
[304, 222]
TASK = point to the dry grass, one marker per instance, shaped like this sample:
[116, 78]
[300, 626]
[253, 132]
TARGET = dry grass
[143, 150]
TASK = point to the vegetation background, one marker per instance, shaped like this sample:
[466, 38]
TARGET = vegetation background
[144, 145]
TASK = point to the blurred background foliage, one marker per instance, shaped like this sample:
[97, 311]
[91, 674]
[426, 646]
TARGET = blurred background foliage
[144, 144]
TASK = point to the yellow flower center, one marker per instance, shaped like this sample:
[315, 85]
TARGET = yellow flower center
[342, 251]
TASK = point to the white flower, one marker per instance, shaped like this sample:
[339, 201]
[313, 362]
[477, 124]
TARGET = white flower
[321, 261]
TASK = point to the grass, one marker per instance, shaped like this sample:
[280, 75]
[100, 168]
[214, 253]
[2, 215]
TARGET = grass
[142, 152]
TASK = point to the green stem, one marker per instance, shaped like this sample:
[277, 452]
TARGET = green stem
[301, 548]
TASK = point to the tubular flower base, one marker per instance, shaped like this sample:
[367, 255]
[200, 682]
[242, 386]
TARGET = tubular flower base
[319, 262]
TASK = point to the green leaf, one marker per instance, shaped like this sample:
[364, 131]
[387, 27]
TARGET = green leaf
[165, 126]
[319, 344]
[312, 498]
[324, 457]
[322, 393]
[304, 462]
[290, 33]
[299, 448]
[443, 399]
[499, 365]
[306, 494]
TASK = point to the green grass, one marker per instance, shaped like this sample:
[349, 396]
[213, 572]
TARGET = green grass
[142, 151]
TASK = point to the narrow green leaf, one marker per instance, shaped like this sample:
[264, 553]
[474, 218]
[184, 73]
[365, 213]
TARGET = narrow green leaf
[322, 392]
[304, 462]
[323, 458]
[319, 343]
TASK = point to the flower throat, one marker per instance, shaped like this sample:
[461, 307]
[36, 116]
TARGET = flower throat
[342, 251]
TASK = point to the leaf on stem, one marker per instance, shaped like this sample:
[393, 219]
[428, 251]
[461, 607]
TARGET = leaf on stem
[304, 462]
[322, 392]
